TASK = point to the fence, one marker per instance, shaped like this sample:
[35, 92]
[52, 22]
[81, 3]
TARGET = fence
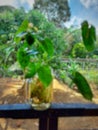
[48, 119]
[83, 63]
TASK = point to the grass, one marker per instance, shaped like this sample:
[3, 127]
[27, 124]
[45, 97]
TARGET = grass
[91, 75]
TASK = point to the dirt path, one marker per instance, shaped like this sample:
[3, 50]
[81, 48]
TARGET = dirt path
[10, 93]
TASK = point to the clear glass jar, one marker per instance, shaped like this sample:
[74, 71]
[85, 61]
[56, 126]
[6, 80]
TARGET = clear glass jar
[37, 95]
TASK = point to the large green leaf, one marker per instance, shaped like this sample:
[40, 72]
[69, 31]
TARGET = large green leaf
[48, 46]
[45, 75]
[88, 35]
[22, 57]
[23, 27]
[21, 32]
[82, 85]
[92, 36]
[31, 69]
[93, 32]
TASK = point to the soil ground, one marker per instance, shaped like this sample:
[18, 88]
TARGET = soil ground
[11, 92]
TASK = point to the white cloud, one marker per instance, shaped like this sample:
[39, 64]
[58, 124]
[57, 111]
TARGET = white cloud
[74, 21]
[17, 3]
[68, 0]
[7, 2]
[97, 30]
[89, 3]
[30, 2]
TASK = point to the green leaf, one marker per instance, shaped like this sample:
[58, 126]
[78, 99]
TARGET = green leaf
[22, 35]
[23, 27]
[45, 75]
[82, 85]
[92, 36]
[88, 35]
[48, 46]
[21, 31]
[93, 32]
[22, 57]
[31, 69]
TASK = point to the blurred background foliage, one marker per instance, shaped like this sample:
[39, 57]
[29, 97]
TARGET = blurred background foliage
[67, 41]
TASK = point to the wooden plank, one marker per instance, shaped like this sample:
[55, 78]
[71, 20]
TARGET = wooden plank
[20, 111]
[74, 110]
[43, 123]
[25, 111]
[53, 123]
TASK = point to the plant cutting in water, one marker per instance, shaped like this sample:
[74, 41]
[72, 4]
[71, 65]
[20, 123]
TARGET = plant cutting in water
[35, 56]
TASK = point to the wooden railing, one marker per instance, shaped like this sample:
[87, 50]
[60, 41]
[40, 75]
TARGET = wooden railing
[48, 119]
[83, 62]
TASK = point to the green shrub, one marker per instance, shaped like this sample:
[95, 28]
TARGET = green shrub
[79, 50]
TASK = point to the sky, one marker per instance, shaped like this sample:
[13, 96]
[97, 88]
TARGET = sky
[80, 10]
[27, 4]
[83, 10]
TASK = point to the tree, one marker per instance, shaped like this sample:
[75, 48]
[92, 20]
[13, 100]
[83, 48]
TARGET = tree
[19, 16]
[6, 8]
[6, 20]
[72, 37]
[48, 29]
[57, 11]
[10, 19]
